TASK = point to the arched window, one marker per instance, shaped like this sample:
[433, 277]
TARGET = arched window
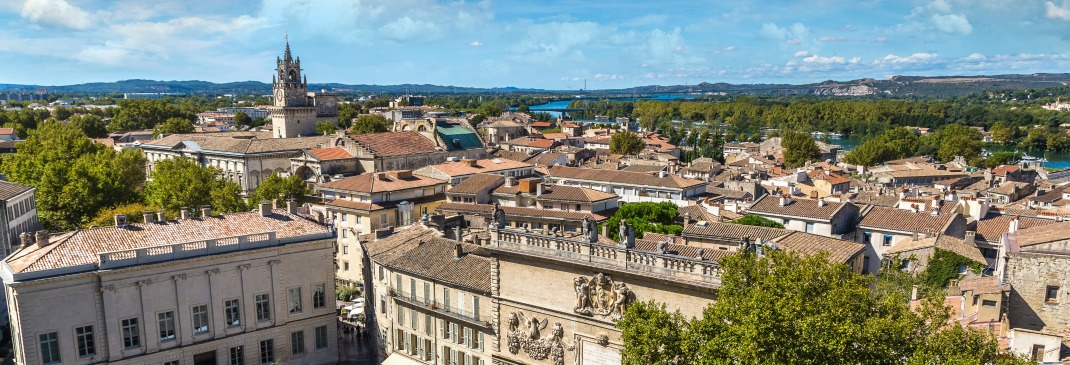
[293, 75]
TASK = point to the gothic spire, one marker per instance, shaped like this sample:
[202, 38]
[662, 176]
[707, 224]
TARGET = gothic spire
[287, 56]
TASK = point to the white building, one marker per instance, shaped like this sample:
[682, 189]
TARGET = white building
[18, 213]
[244, 288]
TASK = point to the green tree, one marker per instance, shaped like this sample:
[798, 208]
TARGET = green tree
[75, 178]
[92, 125]
[782, 308]
[652, 334]
[490, 109]
[1003, 133]
[895, 143]
[347, 112]
[626, 143]
[242, 119]
[757, 220]
[173, 126]
[523, 109]
[133, 212]
[137, 114]
[799, 147]
[323, 128]
[645, 217]
[281, 188]
[179, 182]
[370, 123]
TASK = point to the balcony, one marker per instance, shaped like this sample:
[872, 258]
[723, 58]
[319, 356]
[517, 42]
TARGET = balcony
[464, 315]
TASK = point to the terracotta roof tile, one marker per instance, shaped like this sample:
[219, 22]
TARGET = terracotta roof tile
[808, 244]
[732, 231]
[992, 226]
[769, 204]
[82, 247]
[238, 142]
[461, 168]
[423, 251]
[622, 177]
[1043, 234]
[574, 194]
[395, 143]
[380, 182]
[902, 220]
[331, 153]
[983, 285]
[476, 183]
[943, 242]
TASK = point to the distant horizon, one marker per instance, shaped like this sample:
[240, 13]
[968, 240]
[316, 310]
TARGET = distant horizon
[549, 45]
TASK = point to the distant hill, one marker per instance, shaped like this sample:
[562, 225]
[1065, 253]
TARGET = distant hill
[897, 86]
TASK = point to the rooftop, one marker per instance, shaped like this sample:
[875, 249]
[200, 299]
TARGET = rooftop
[423, 251]
[332, 153]
[476, 183]
[395, 143]
[623, 177]
[235, 142]
[462, 168]
[941, 241]
[381, 182]
[82, 248]
[902, 220]
[807, 208]
[10, 190]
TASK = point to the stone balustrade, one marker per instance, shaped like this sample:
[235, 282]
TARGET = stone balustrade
[145, 255]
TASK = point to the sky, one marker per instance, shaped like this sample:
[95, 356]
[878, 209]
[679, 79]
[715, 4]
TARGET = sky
[554, 44]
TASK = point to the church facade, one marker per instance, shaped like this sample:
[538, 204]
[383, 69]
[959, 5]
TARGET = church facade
[297, 111]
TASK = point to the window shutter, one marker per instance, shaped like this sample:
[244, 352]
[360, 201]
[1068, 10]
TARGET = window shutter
[441, 329]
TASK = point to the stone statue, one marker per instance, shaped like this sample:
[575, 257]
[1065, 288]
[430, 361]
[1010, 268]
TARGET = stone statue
[583, 296]
[498, 221]
[514, 336]
[623, 298]
[663, 247]
[623, 231]
[585, 228]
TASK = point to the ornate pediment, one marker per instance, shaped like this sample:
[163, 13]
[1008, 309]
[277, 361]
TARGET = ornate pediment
[526, 334]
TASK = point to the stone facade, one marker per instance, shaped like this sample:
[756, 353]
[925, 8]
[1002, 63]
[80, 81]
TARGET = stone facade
[1031, 275]
[297, 111]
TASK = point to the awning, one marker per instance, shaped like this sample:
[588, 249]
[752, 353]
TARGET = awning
[399, 359]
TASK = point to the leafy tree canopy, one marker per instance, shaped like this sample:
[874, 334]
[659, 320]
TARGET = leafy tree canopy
[242, 119]
[178, 182]
[323, 128]
[92, 125]
[757, 220]
[281, 188]
[645, 217]
[626, 143]
[135, 114]
[370, 123]
[173, 126]
[799, 147]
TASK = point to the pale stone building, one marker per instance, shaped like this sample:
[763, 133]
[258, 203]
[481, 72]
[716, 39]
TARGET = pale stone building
[18, 206]
[253, 288]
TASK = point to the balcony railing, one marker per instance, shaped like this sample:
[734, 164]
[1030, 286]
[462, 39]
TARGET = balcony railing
[437, 306]
[697, 270]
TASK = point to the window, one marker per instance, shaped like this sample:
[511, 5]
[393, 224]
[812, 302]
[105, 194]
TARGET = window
[263, 307]
[887, 240]
[319, 296]
[267, 351]
[1051, 294]
[460, 302]
[172, 362]
[294, 295]
[232, 312]
[429, 351]
[382, 303]
[548, 206]
[50, 348]
[321, 337]
[446, 299]
[131, 333]
[905, 265]
[200, 319]
[382, 273]
[297, 343]
[475, 307]
[962, 269]
[809, 227]
[165, 322]
[427, 292]
[345, 265]
[412, 289]
[455, 334]
[401, 315]
[1038, 353]
[84, 338]
[867, 237]
[237, 355]
[382, 219]
[427, 325]
[345, 248]
[468, 339]
[479, 341]
[988, 303]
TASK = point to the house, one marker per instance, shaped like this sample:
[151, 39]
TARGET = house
[1034, 261]
[914, 255]
[238, 288]
[18, 214]
[529, 203]
[830, 219]
[828, 183]
[456, 171]
[920, 176]
[717, 236]
[529, 144]
[882, 228]
[430, 299]
[630, 186]
[7, 134]
[361, 205]
[503, 130]
[1010, 191]
[990, 230]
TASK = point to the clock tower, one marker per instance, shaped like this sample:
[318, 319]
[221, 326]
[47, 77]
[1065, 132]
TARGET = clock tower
[295, 112]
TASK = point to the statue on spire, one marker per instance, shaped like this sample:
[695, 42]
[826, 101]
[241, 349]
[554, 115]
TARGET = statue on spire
[287, 56]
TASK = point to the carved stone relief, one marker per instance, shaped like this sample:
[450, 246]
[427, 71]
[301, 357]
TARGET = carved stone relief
[600, 296]
[526, 334]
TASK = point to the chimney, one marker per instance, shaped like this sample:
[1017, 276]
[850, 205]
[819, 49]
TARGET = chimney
[687, 219]
[457, 252]
[206, 211]
[184, 212]
[821, 203]
[160, 217]
[264, 208]
[26, 238]
[662, 174]
[148, 216]
[1013, 227]
[291, 206]
[42, 238]
[914, 293]
[785, 200]
[381, 176]
[914, 237]
[120, 220]
[970, 237]
[538, 189]
[605, 230]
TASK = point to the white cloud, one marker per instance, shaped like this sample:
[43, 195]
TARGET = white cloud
[104, 55]
[406, 28]
[880, 40]
[839, 39]
[793, 42]
[728, 48]
[57, 13]
[952, 23]
[794, 31]
[556, 40]
[801, 54]
[912, 59]
[1057, 12]
[476, 44]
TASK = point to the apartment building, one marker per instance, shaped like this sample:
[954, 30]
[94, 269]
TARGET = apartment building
[18, 206]
[245, 288]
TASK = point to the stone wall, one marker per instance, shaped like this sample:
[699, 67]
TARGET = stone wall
[1030, 274]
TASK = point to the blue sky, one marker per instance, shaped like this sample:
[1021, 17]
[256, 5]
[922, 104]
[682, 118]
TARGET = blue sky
[538, 44]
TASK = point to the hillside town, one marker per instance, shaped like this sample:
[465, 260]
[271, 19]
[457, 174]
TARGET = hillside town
[478, 240]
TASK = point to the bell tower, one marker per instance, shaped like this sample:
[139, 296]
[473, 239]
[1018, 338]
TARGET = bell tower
[294, 113]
